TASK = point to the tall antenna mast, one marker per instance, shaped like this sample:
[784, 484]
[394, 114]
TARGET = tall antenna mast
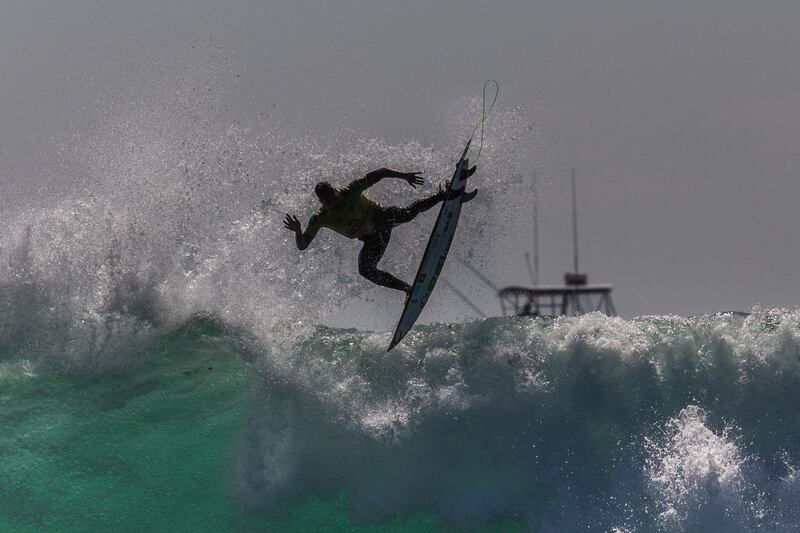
[533, 270]
[574, 219]
[535, 227]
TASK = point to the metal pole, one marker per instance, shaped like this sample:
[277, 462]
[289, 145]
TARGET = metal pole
[574, 219]
[530, 268]
[535, 228]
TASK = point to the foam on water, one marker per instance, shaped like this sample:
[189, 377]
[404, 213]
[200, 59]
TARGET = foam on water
[597, 423]
[594, 422]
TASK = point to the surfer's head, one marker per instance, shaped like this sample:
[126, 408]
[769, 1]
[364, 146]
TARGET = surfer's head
[324, 191]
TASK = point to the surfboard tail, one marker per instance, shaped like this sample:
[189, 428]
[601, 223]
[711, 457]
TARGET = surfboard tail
[467, 196]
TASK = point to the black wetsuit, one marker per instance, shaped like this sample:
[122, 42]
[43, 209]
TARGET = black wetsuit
[386, 218]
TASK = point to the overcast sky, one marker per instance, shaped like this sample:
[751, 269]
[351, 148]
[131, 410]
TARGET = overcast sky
[682, 117]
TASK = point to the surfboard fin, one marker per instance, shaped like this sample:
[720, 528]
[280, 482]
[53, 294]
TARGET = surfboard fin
[467, 196]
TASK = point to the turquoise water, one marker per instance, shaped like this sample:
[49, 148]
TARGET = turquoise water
[590, 423]
[153, 449]
[126, 452]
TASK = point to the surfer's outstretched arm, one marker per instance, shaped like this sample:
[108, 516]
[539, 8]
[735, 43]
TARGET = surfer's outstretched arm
[301, 239]
[371, 178]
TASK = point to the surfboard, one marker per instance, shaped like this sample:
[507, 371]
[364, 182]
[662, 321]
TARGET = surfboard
[436, 251]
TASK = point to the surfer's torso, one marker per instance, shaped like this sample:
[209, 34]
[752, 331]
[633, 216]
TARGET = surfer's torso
[352, 214]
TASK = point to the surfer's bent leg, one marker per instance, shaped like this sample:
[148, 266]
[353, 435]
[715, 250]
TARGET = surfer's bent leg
[369, 257]
[407, 214]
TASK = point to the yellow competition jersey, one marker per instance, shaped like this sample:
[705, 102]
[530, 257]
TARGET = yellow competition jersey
[351, 215]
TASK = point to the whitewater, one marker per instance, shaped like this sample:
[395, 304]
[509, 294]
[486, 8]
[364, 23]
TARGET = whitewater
[169, 361]
[589, 423]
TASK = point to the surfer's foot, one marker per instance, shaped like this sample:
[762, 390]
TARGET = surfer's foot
[407, 290]
[445, 193]
[443, 188]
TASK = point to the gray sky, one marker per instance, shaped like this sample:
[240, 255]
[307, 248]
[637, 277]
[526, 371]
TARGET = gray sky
[682, 117]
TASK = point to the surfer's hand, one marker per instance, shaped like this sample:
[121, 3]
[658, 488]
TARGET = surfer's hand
[413, 178]
[291, 223]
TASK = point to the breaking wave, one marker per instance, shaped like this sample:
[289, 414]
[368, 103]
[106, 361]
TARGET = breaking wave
[589, 423]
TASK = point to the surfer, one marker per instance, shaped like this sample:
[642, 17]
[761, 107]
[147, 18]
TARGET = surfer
[348, 212]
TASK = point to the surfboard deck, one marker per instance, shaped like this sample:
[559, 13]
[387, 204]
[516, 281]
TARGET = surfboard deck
[436, 251]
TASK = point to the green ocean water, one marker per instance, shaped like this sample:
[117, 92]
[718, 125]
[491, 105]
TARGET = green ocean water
[589, 423]
[151, 449]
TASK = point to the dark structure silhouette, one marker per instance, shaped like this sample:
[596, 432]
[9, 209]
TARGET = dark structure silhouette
[575, 297]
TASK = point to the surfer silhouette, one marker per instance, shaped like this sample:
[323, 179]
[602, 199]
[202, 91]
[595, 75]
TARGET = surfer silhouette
[348, 212]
